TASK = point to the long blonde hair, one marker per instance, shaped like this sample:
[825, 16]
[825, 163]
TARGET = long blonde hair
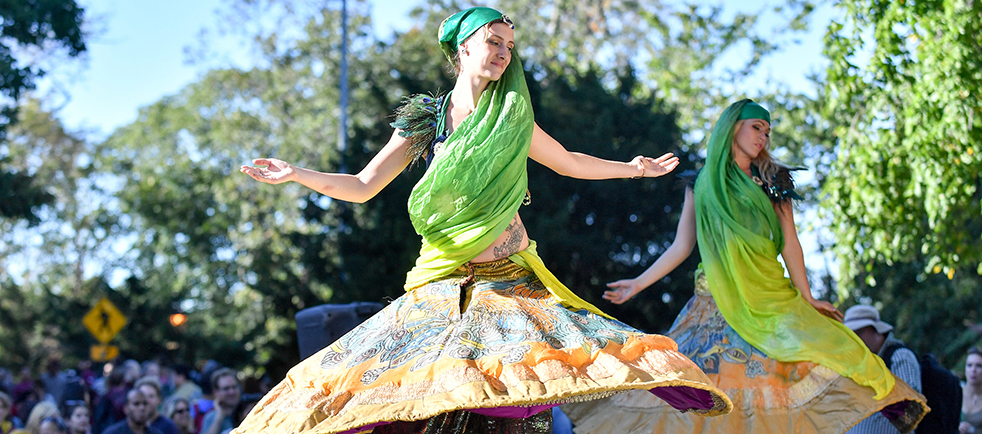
[40, 411]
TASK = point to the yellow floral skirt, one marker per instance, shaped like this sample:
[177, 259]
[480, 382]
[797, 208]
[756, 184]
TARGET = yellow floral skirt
[768, 396]
[500, 348]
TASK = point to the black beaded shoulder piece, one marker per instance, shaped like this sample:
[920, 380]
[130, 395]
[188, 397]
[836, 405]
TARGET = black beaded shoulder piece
[417, 117]
[780, 187]
[687, 179]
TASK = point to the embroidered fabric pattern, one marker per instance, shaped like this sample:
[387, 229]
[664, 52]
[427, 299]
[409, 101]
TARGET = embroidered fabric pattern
[768, 396]
[514, 351]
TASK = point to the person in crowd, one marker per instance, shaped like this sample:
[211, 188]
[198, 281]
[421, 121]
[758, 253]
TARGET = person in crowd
[150, 387]
[760, 336]
[7, 381]
[84, 370]
[203, 405]
[137, 410]
[228, 395]
[77, 417]
[54, 379]
[492, 313]
[178, 409]
[150, 368]
[972, 394]
[166, 381]
[184, 386]
[132, 371]
[248, 401]
[23, 388]
[53, 425]
[110, 407]
[8, 422]
[42, 410]
[878, 337]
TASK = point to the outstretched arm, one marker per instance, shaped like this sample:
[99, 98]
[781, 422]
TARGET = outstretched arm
[550, 153]
[685, 239]
[379, 172]
[795, 260]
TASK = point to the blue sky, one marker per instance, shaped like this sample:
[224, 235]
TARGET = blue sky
[137, 56]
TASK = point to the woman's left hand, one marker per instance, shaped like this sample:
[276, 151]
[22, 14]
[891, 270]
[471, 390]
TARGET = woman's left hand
[653, 167]
[622, 290]
[827, 309]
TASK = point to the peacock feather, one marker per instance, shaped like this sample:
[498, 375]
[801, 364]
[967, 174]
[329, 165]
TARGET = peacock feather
[417, 119]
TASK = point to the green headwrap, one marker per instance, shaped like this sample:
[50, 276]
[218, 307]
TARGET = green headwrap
[476, 183]
[461, 25]
[752, 110]
[739, 237]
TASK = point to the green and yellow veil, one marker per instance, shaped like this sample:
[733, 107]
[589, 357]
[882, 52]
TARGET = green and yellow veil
[475, 185]
[739, 238]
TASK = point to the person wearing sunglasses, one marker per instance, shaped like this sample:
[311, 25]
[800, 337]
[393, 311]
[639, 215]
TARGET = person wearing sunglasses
[178, 409]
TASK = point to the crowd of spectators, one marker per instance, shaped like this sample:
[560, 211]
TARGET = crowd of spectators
[128, 397]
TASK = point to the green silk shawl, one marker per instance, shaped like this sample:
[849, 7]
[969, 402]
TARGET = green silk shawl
[739, 238]
[475, 185]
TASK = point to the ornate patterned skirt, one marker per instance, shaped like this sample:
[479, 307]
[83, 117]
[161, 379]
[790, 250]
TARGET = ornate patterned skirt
[768, 396]
[491, 357]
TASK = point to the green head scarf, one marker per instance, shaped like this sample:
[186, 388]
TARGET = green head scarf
[461, 25]
[752, 110]
[739, 238]
[476, 183]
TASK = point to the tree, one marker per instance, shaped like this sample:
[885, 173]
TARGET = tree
[241, 258]
[26, 27]
[54, 256]
[610, 229]
[903, 97]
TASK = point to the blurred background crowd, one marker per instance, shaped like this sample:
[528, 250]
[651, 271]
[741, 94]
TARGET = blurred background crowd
[128, 396]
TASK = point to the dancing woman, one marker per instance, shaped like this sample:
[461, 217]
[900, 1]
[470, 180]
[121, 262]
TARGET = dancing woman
[783, 357]
[486, 338]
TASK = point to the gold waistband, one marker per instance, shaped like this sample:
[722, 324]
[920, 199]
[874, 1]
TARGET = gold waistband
[497, 271]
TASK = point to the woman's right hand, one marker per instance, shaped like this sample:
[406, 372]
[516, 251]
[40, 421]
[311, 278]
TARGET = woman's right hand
[622, 290]
[827, 309]
[275, 172]
[965, 428]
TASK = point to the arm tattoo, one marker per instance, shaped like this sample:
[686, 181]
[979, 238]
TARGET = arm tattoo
[516, 232]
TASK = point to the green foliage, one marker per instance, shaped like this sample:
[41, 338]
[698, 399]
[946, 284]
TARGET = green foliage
[692, 57]
[903, 91]
[44, 27]
[610, 229]
[41, 315]
[240, 258]
[23, 196]
[41, 24]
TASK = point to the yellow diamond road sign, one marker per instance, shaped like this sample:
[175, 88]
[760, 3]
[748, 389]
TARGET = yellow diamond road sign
[104, 320]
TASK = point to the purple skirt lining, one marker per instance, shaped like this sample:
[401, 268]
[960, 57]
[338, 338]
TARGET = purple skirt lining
[682, 398]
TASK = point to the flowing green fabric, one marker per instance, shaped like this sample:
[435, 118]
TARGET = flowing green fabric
[739, 238]
[475, 185]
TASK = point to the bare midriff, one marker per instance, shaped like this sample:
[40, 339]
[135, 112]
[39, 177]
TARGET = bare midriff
[513, 240]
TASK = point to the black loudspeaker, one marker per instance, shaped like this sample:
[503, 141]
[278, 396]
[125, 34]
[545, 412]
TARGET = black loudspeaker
[320, 326]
